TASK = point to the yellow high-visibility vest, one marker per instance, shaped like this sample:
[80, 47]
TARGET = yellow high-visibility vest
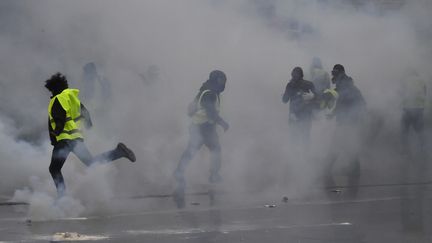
[329, 104]
[70, 102]
[200, 116]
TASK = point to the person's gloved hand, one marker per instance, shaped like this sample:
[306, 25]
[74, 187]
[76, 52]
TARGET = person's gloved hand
[308, 96]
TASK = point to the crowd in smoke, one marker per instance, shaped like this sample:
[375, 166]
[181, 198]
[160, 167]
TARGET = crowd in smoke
[156, 54]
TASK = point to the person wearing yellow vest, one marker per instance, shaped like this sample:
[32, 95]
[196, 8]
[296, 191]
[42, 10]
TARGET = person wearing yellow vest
[66, 116]
[204, 113]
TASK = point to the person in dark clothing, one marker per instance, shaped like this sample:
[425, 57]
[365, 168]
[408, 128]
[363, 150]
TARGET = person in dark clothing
[66, 115]
[300, 94]
[413, 94]
[350, 110]
[350, 106]
[204, 113]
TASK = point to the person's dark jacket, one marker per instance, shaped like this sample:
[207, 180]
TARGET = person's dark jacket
[350, 106]
[294, 94]
[59, 117]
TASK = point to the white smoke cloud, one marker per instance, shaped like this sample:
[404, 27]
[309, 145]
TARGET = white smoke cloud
[186, 40]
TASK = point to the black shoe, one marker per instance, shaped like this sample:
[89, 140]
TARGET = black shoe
[127, 153]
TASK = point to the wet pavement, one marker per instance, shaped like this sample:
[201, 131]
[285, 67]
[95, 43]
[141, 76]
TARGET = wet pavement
[400, 214]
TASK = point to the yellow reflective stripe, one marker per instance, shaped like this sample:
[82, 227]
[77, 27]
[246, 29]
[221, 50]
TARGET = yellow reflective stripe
[201, 96]
[200, 116]
[332, 92]
[72, 131]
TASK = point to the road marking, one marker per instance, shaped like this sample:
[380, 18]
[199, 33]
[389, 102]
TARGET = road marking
[227, 228]
[70, 236]
[171, 211]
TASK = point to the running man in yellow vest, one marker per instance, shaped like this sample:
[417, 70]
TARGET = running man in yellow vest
[66, 117]
[204, 112]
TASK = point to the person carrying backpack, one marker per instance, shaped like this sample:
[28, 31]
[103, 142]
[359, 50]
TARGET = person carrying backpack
[204, 114]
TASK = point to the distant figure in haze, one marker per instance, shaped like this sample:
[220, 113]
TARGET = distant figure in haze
[350, 110]
[319, 77]
[96, 88]
[66, 115]
[413, 95]
[204, 113]
[301, 96]
[150, 76]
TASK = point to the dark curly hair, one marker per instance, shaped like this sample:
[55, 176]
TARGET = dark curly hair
[57, 83]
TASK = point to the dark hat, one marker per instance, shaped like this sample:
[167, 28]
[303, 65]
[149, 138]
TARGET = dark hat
[298, 70]
[339, 67]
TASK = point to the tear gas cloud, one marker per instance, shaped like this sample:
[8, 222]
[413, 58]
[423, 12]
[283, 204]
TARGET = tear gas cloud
[156, 54]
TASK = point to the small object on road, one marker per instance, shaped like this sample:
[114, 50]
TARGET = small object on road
[28, 222]
[337, 190]
[285, 199]
[195, 203]
[270, 206]
[66, 236]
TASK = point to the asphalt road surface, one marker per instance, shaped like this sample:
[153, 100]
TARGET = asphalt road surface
[398, 214]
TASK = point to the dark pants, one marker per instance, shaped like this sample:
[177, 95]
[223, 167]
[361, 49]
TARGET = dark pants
[352, 173]
[414, 169]
[61, 151]
[200, 135]
[345, 148]
[300, 132]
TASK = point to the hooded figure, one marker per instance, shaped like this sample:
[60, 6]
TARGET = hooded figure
[301, 96]
[204, 113]
[346, 142]
[350, 106]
